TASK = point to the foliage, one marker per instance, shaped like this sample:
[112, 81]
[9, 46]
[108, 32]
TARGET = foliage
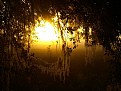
[15, 33]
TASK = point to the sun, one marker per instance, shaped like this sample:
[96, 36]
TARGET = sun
[45, 31]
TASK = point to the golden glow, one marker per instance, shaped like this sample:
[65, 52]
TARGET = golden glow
[120, 36]
[45, 31]
[54, 30]
[80, 29]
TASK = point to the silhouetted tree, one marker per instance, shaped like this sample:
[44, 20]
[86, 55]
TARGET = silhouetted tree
[17, 17]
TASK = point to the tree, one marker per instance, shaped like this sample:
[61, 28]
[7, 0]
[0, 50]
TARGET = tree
[15, 34]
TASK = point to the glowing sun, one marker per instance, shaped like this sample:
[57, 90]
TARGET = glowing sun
[46, 32]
